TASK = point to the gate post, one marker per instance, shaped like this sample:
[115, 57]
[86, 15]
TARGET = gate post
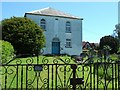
[74, 67]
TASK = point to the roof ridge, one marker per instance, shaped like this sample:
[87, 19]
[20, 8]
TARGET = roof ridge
[52, 12]
[44, 8]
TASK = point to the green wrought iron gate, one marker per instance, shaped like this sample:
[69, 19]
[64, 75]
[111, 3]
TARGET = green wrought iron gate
[61, 73]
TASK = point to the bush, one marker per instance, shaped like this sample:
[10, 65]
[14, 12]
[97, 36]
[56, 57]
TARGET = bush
[7, 51]
[110, 41]
[24, 34]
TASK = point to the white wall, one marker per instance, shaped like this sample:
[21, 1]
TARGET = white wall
[119, 12]
[57, 28]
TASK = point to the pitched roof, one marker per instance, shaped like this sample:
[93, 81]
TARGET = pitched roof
[87, 45]
[52, 12]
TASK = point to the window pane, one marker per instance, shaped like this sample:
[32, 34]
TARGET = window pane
[43, 26]
[68, 43]
[42, 23]
[68, 30]
[67, 23]
[68, 27]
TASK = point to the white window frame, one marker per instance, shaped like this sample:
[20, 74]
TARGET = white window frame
[68, 43]
[68, 27]
[43, 24]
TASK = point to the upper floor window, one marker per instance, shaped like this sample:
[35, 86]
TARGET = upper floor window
[43, 24]
[68, 27]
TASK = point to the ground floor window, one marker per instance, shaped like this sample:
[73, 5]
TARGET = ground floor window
[68, 43]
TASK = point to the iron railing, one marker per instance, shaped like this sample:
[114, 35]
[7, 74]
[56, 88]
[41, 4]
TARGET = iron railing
[85, 72]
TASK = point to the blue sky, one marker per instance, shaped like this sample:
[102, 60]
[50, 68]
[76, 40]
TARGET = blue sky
[100, 18]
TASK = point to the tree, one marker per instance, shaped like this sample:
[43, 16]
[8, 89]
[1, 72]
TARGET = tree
[110, 41]
[117, 31]
[25, 36]
[7, 51]
[0, 31]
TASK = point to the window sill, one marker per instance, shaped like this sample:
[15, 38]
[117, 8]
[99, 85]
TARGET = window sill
[68, 32]
[67, 47]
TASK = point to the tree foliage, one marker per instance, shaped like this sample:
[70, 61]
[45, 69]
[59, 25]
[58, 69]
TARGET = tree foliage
[7, 51]
[0, 31]
[110, 41]
[117, 30]
[25, 36]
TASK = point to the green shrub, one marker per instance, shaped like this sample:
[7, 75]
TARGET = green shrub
[110, 43]
[24, 34]
[7, 51]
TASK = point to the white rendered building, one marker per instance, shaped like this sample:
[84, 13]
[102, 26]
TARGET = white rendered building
[63, 31]
[119, 12]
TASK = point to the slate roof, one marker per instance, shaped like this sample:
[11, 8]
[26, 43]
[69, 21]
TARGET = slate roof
[52, 12]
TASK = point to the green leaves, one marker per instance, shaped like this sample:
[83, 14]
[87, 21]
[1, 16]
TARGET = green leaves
[7, 51]
[23, 34]
[110, 43]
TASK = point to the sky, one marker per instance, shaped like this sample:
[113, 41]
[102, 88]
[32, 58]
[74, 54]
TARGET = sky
[99, 18]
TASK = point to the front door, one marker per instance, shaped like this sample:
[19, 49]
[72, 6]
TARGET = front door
[56, 48]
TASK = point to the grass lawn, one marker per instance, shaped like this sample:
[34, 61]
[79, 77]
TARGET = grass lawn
[54, 74]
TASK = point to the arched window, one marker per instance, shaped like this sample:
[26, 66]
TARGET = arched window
[68, 27]
[43, 24]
